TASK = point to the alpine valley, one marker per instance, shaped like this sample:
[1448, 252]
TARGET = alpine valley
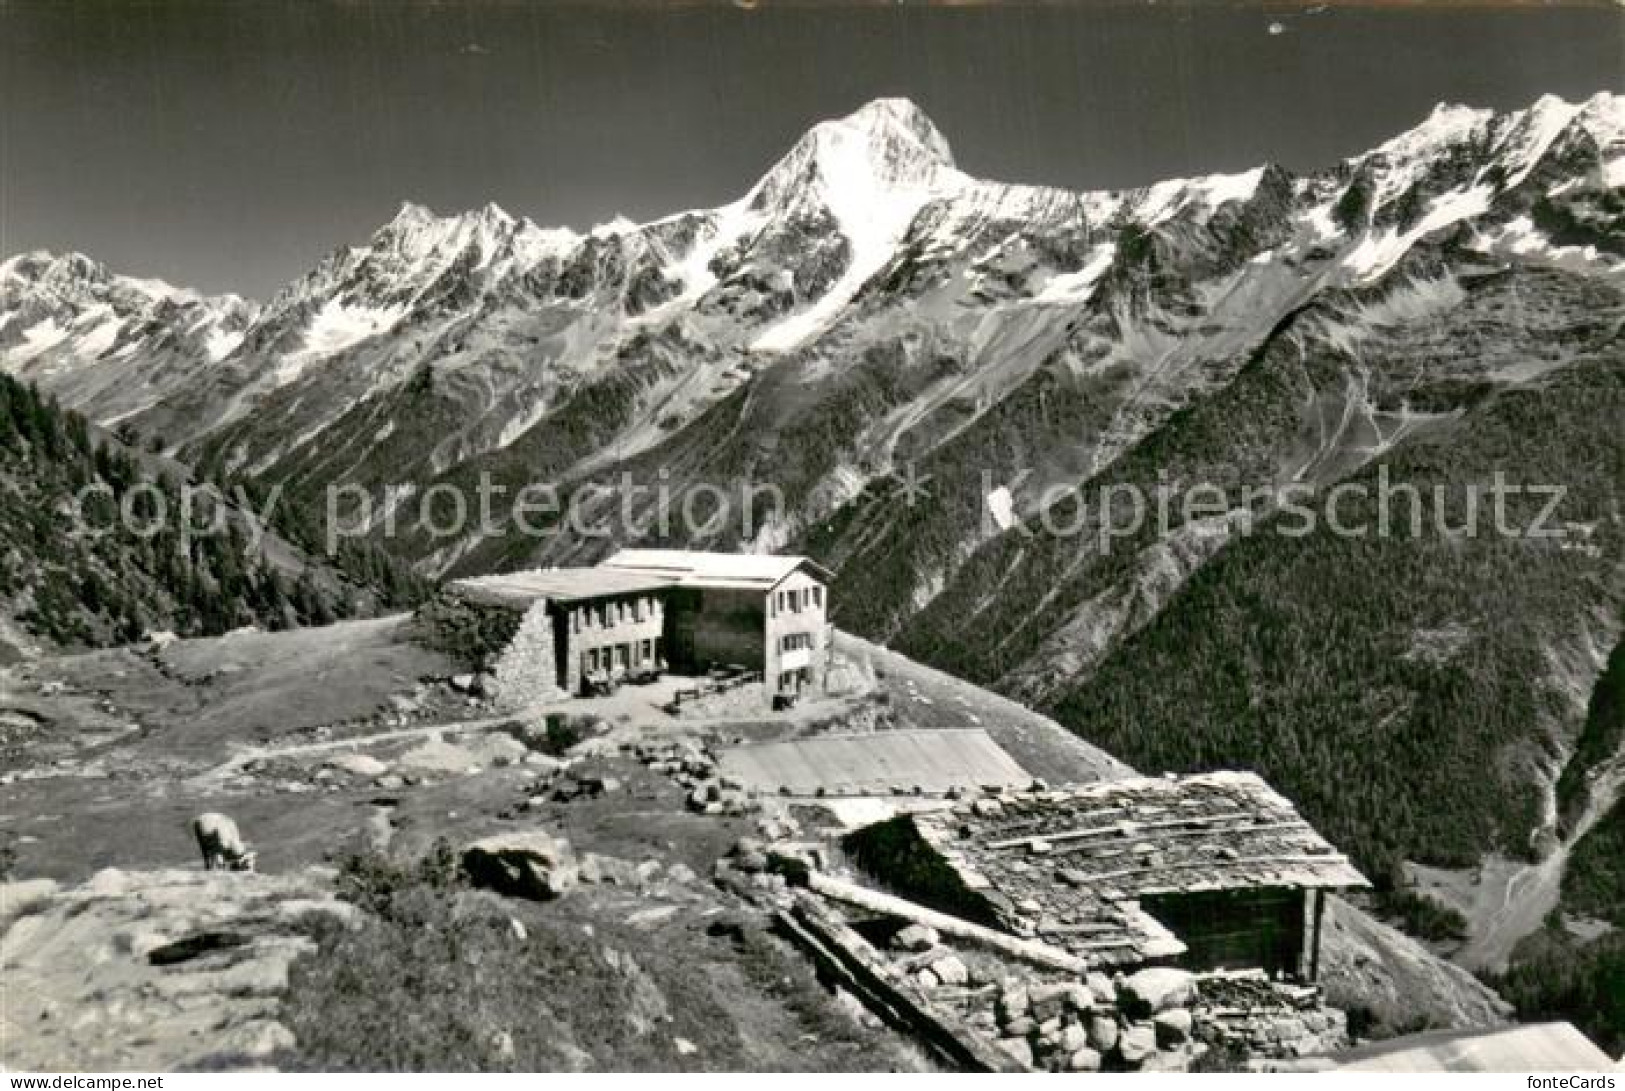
[940, 375]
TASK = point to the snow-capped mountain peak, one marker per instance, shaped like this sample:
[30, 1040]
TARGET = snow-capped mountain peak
[888, 144]
[865, 215]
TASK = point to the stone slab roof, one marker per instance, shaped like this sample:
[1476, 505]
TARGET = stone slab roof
[1071, 866]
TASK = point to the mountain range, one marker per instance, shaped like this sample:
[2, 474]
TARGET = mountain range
[937, 372]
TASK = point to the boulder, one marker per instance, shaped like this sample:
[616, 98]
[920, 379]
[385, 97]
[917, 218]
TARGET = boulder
[1103, 1033]
[1072, 1038]
[1288, 1028]
[1149, 991]
[358, 765]
[916, 937]
[1020, 1026]
[1013, 1003]
[1048, 999]
[1084, 1060]
[1079, 997]
[1018, 1049]
[21, 897]
[1173, 1026]
[543, 763]
[498, 749]
[950, 970]
[1173, 1060]
[256, 1038]
[607, 869]
[1136, 1043]
[526, 865]
[436, 756]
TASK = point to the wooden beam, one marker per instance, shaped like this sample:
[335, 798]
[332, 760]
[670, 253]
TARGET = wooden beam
[876, 981]
[1314, 943]
[1117, 828]
[1219, 865]
[1267, 827]
[1034, 951]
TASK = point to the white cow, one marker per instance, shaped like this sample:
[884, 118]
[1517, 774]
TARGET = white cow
[222, 846]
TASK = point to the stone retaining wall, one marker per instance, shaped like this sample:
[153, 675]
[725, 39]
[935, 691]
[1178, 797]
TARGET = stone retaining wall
[526, 671]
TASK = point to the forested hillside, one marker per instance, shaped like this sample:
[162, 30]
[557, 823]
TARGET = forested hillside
[124, 564]
[1399, 688]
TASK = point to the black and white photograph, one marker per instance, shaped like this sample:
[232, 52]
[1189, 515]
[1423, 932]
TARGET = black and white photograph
[1071, 537]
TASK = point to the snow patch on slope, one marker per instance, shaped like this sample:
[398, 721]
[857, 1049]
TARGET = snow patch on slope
[94, 344]
[1079, 286]
[336, 327]
[1520, 238]
[39, 338]
[221, 344]
[1377, 253]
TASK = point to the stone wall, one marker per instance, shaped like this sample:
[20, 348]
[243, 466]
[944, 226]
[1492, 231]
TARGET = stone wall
[1246, 1017]
[526, 671]
[1156, 1019]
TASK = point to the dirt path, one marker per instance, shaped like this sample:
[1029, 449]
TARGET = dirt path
[354, 742]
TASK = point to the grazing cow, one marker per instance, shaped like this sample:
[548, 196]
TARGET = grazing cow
[222, 846]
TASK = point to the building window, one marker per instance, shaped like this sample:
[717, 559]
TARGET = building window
[646, 651]
[791, 642]
[818, 597]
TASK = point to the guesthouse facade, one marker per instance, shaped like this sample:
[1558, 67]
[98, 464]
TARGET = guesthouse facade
[549, 633]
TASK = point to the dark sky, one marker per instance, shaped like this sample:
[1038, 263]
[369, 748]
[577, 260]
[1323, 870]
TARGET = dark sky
[227, 146]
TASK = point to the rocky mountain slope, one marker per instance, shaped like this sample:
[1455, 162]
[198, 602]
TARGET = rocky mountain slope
[941, 375]
[153, 971]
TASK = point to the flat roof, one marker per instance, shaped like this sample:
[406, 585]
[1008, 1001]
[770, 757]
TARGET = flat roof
[692, 568]
[521, 589]
[876, 763]
[1072, 865]
[1537, 1047]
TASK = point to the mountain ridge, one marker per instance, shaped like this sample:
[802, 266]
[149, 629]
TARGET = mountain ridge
[866, 316]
